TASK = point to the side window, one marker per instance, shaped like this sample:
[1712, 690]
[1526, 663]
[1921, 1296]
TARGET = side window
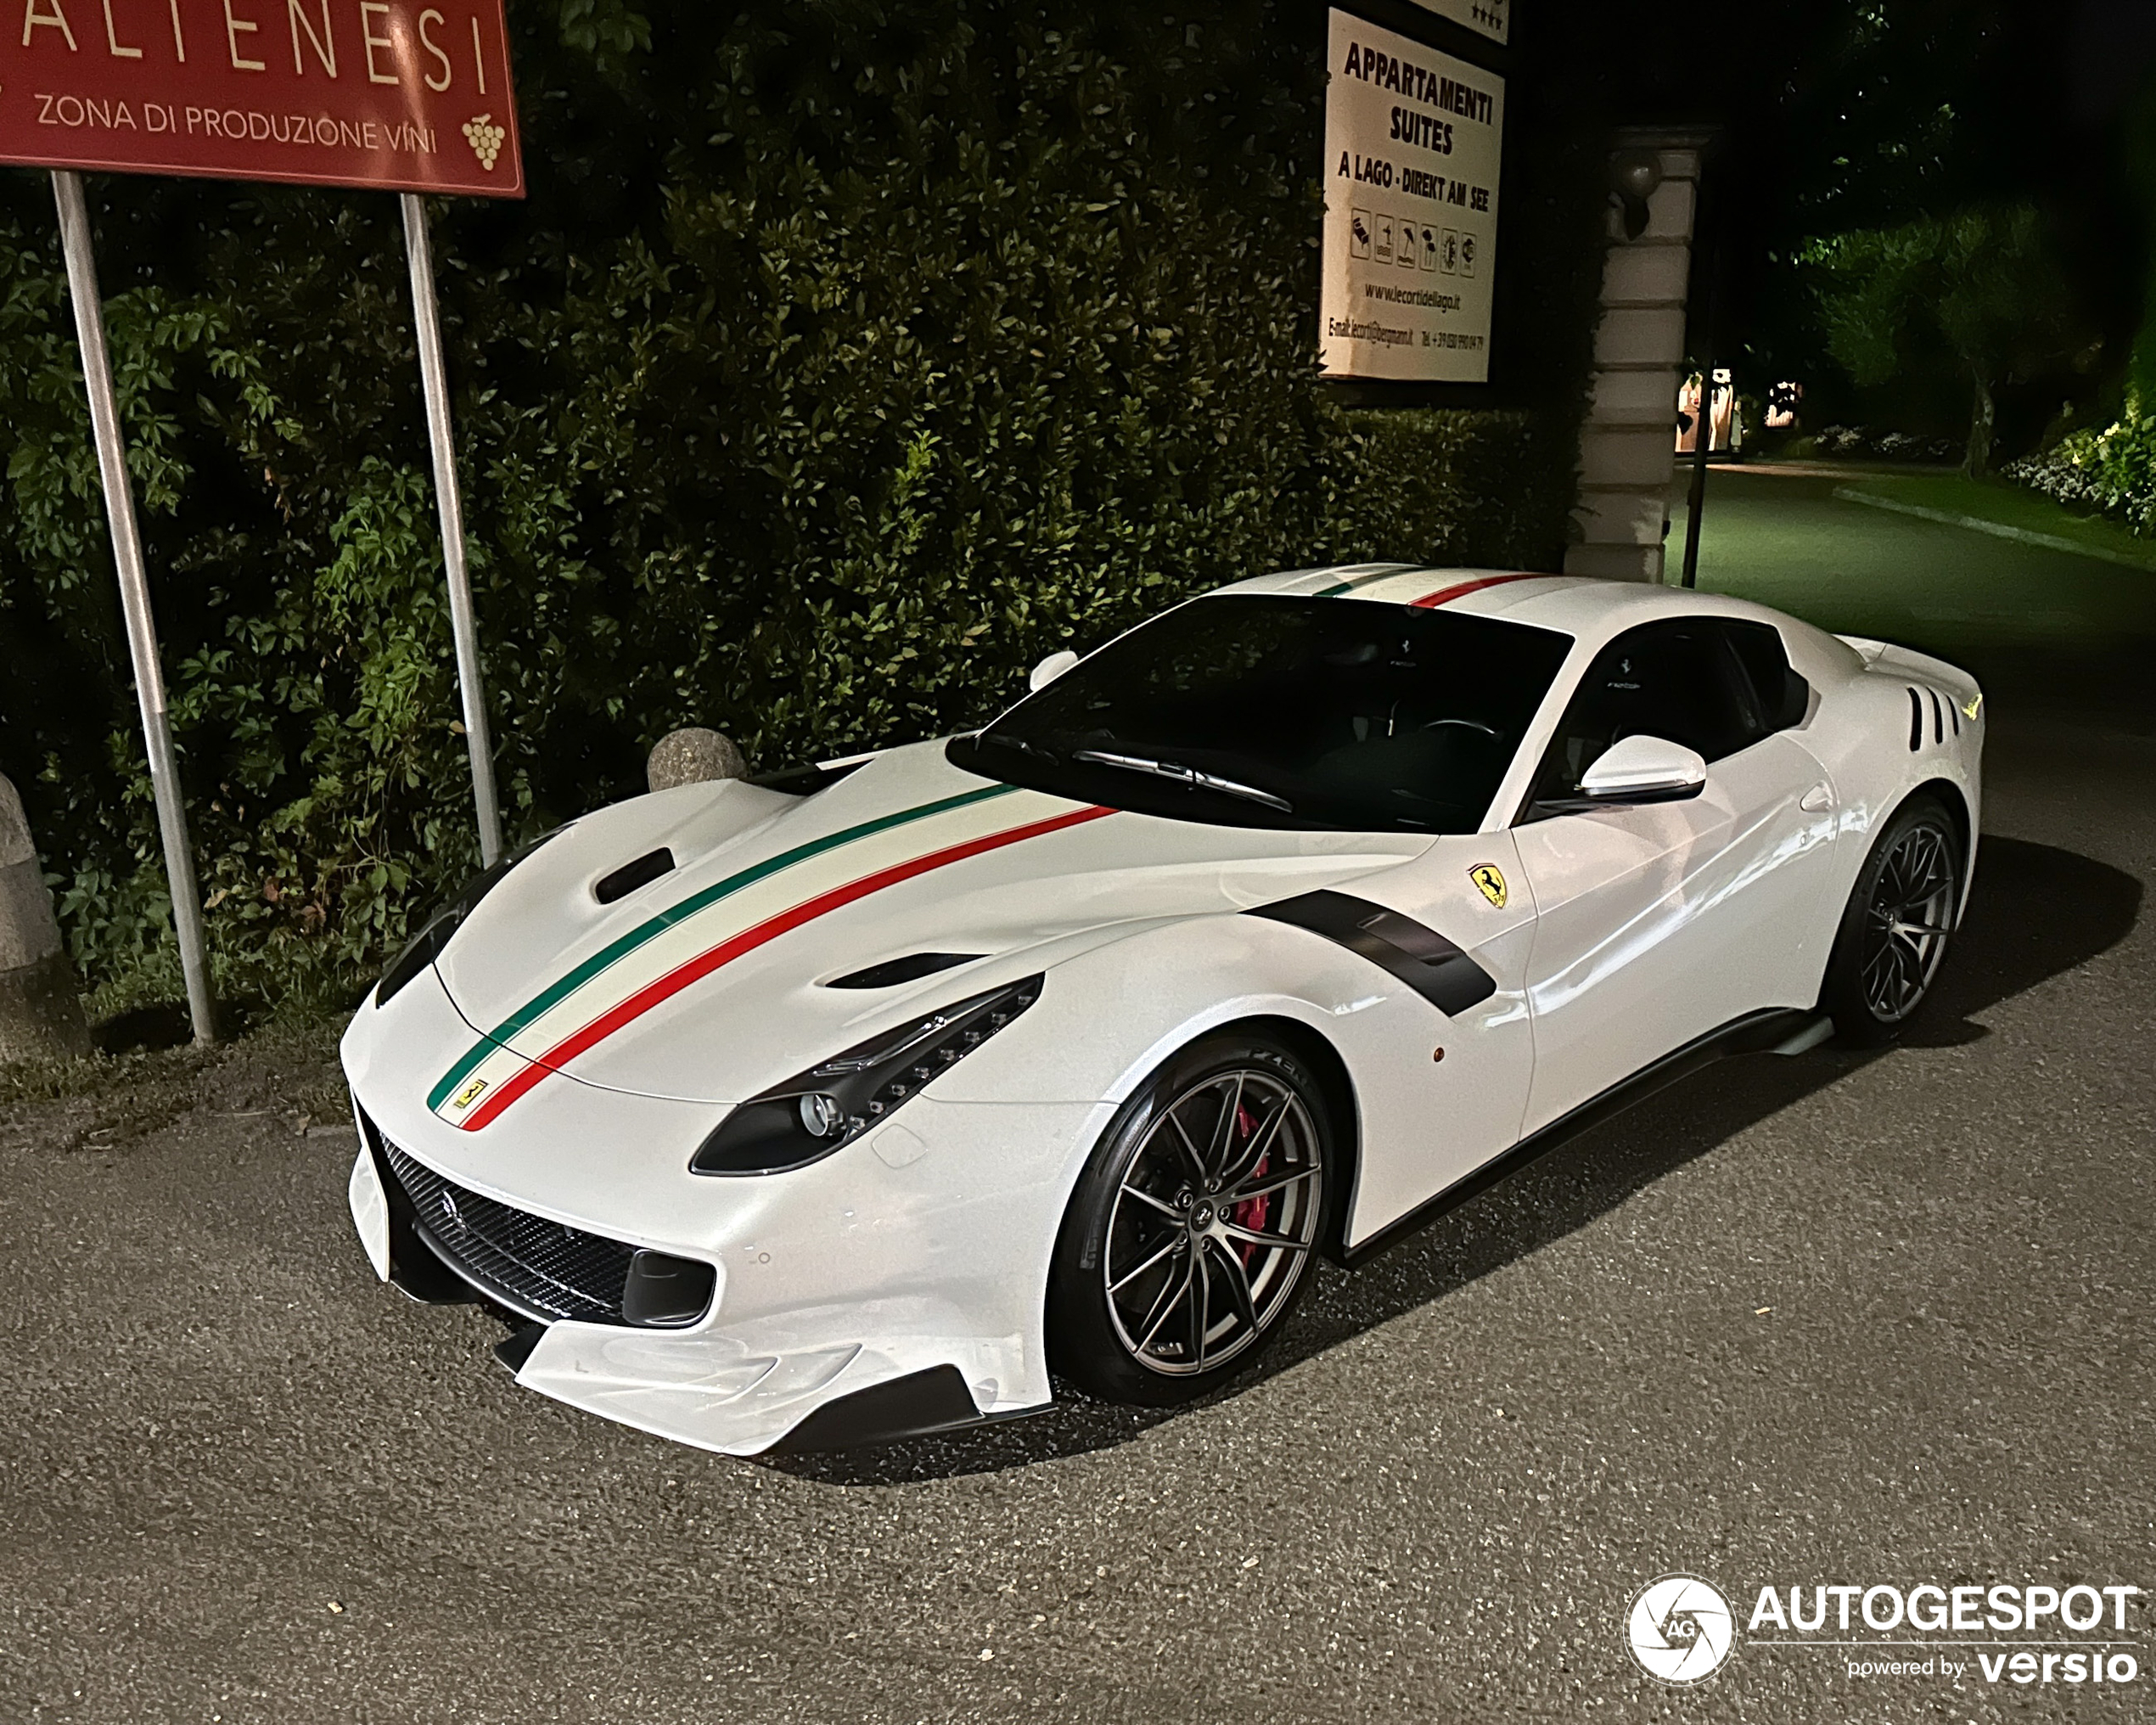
[1680, 680]
[1782, 695]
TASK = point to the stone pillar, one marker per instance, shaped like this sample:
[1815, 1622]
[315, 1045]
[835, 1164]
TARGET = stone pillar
[1628, 445]
[40, 1013]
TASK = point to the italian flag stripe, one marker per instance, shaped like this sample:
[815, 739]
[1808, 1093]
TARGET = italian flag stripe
[689, 941]
[1354, 583]
[1446, 595]
[673, 915]
[614, 1018]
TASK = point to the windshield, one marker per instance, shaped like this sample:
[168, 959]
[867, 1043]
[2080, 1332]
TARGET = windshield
[1255, 710]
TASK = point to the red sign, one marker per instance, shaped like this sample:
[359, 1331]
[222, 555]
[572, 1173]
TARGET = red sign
[402, 95]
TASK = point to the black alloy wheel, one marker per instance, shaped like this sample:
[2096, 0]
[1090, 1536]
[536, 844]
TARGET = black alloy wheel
[1895, 930]
[1188, 1238]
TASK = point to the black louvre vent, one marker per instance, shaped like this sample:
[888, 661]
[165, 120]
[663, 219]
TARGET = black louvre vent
[626, 880]
[539, 1268]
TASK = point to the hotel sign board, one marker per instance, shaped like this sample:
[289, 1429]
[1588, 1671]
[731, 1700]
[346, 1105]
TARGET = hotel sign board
[1414, 142]
[1489, 18]
[394, 95]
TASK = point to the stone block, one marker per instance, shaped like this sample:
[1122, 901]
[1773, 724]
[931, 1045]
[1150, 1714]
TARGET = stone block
[1615, 562]
[1635, 399]
[1620, 457]
[40, 1014]
[1641, 336]
[1637, 275]
[1623, 517]
[694, 755]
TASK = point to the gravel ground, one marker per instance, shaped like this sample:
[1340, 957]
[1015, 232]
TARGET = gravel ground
[1834, 1319]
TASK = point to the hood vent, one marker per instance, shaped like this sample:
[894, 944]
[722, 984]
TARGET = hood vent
[630, 876]
[910, 969]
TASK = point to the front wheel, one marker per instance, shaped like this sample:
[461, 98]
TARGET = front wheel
[1189, 1235]
[1893, 934]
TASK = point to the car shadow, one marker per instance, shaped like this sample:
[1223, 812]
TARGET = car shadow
[2082, 909]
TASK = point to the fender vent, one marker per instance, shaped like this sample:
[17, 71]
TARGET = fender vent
[910, 969]
[1422, 958]
[1916, 722]
[630, 876]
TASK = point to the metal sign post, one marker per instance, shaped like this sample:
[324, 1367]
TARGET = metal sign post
[435, 377]
[1703, 424]
[410, 96]
[134, 599]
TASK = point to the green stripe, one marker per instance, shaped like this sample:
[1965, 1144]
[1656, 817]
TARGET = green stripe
[643, 932]
[1344, 587]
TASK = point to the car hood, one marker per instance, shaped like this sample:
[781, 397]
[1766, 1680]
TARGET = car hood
[712, 981]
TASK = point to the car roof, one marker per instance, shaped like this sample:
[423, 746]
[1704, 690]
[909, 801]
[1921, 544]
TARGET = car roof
[1577, 604]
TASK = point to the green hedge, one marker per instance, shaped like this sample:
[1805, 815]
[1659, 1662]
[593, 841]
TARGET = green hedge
[835, 370]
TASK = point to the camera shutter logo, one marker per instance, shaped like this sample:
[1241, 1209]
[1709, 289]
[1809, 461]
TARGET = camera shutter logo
[1680, 1629]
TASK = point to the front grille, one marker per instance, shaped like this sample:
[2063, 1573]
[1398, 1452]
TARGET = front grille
[542, 1268]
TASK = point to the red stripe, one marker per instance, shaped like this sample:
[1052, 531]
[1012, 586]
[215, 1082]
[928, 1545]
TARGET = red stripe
[1446, 595]
[697, 968]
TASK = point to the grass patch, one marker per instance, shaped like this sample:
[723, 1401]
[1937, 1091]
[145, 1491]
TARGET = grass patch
[292, 1061]
[2008, 505]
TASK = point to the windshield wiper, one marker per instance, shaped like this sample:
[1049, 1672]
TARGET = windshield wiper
[1185, 775]
[1018, 742]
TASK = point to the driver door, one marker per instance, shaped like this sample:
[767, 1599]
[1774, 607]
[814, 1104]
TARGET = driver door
[1658, 924]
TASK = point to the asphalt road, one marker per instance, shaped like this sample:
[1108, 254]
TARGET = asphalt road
[1827, 1320]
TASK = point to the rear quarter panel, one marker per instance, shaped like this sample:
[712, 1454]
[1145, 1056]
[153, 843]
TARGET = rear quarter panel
[1893, 721]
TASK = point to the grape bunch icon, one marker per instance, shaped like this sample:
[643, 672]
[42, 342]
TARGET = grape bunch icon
[486, 139]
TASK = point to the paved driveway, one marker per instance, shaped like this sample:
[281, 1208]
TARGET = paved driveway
[1832, 1320]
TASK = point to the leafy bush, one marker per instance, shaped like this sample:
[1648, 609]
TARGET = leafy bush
[2111, 472]
[837, 368]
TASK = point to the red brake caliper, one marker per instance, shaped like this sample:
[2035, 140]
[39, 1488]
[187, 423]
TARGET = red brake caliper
[1251, 1212]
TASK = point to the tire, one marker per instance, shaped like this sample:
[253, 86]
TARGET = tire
[1895, 931]
[1163, 1286]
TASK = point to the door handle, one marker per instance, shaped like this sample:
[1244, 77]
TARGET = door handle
[1818, 800]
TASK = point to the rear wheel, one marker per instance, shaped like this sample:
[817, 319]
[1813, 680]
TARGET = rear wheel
[1895, 932]
[1188, 1238]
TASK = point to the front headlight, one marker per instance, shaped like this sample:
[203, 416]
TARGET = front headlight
[827, 1107]
[426, 945]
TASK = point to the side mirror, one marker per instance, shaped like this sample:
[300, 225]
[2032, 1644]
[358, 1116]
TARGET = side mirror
[1049, 669]
[1644, 769]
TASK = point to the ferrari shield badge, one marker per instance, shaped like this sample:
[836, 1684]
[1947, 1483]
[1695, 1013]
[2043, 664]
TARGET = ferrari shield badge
[1490, 881]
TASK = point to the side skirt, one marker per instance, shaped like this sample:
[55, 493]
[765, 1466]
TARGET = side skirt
[1773, 1030]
